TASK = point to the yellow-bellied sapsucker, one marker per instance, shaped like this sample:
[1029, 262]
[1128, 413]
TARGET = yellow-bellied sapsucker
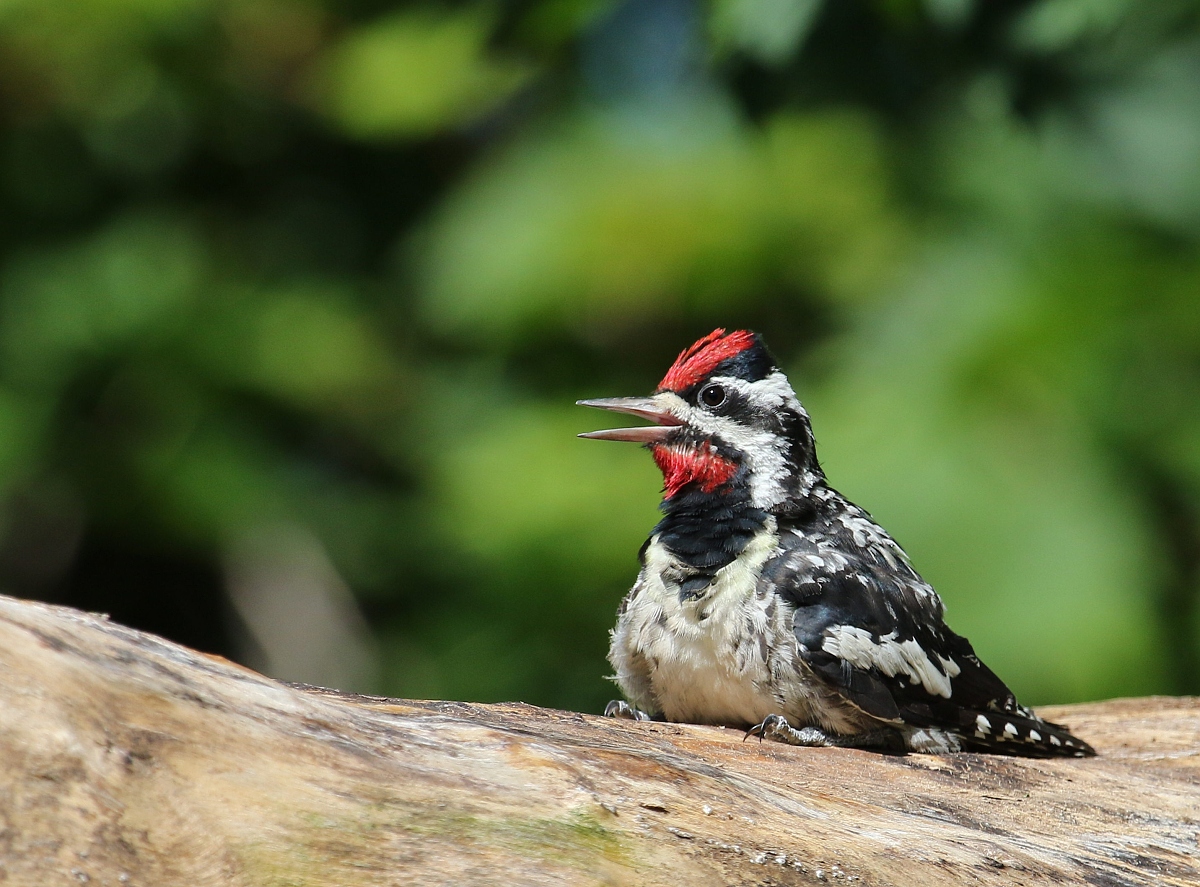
[768, 601]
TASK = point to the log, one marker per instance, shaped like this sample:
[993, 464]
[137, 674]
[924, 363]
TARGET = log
[130, 761]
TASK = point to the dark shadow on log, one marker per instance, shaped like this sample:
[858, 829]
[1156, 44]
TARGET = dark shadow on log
[127, 760]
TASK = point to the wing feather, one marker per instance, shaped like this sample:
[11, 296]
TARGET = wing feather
[870, 627]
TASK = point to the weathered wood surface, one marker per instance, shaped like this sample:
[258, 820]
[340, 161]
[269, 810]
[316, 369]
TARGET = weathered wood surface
[127, 760]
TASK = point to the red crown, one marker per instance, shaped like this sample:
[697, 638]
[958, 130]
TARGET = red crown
[701, 358]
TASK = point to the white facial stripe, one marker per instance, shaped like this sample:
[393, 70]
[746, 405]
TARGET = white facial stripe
[773, 393]
[765, 456]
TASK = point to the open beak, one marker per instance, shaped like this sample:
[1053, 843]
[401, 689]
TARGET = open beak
[643, 407]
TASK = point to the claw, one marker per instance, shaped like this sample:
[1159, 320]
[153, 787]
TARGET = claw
[777, 729]
[621, 709]
[756, 730]
[770, 727]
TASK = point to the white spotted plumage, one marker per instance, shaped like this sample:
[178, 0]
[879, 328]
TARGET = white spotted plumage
[891, 656]
[766, 600]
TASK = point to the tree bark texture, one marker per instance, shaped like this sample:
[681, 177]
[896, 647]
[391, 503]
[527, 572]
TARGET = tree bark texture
[126, 760]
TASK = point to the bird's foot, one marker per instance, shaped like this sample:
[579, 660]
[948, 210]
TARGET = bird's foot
[777, 729]
[621, 709]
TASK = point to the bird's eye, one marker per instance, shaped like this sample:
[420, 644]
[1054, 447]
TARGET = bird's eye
[712, 395]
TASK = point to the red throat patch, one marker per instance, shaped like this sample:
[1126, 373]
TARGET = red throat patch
[681, 467]
[702, 357]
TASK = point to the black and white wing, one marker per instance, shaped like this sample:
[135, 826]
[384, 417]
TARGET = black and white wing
[873, 629]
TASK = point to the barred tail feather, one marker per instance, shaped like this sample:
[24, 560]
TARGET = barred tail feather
[1019, 733]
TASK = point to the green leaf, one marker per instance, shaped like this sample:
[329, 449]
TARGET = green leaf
[618, 221]
[771, 31]
[414, 73]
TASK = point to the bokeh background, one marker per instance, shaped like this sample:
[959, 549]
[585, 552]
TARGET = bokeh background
[296, 297]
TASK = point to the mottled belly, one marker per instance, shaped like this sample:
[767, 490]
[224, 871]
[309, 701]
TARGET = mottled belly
[697, 688]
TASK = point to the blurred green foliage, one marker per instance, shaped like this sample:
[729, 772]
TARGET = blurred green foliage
[296, 297]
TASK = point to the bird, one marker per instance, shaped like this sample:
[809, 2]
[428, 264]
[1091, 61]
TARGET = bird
[768, 601]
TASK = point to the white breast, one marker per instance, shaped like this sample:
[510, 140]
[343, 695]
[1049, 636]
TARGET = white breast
[706, 660]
